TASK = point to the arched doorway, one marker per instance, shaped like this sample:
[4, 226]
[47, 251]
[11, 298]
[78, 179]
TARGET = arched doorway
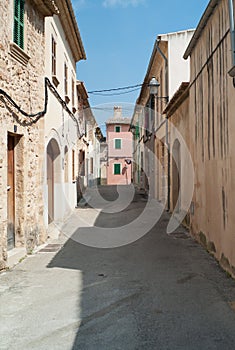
[176, 175]
[53, 175]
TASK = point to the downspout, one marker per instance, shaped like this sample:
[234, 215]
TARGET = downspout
[232, 34]
[167, 126]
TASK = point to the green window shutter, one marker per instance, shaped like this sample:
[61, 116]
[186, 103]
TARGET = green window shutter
[118, 143]
[18, 31]
[117, 128]
[117, 169]
[137, 131]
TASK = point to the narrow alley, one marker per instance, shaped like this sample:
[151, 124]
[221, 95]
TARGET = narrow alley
[163, 291]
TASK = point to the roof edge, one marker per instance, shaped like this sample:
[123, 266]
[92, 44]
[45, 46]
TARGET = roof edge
[47, 7]
[178, 97]
[200, 27]
[70, 26]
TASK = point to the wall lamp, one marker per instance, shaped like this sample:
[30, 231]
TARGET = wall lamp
[153, 89]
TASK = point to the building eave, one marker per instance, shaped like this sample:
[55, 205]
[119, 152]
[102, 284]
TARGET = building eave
[177, 99]
[144, 89]
[119, 121]
[46, 7]
[82, 89]
[69, 24]
[203, 21]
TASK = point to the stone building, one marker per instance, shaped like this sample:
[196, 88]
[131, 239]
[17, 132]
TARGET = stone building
[119, 143]
[22, 97]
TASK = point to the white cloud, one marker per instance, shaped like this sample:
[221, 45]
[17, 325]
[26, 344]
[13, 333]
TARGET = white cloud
[122, 3]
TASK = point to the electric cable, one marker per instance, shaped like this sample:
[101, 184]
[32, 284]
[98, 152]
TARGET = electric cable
[115, 94]
[116, 89]
[38, 115]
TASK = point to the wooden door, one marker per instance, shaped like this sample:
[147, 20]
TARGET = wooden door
[11, 193]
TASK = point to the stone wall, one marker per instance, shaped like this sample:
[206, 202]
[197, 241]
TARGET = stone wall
[22, 77]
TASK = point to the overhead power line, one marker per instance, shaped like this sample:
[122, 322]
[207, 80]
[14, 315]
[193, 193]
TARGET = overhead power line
[117, 93]
[116, 89]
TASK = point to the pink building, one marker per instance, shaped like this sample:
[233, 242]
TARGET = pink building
[119, 140]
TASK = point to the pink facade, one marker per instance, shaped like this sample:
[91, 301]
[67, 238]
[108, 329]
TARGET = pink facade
[119, 140]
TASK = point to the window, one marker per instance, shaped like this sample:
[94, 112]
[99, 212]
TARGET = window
[91, 165]
[53, 56]
[117, 128]
[137, 131]
[65, 79]
[118, 143]
[82, 163]
[117, 169]
[18, 31]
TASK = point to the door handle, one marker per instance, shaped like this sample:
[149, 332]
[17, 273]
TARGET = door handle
[8, 188]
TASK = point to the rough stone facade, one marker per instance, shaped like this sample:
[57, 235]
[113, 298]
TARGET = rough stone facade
[22, 78]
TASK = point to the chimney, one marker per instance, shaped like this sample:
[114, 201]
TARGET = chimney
[117, 112]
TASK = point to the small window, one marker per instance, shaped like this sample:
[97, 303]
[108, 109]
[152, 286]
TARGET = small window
[117, 169]
[137, 131]
[118, 143]
[18, 31]
[91, 165]
[53, 56]
[117, 128]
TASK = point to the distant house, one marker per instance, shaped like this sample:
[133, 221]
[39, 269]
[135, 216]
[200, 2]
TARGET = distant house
[119, 141]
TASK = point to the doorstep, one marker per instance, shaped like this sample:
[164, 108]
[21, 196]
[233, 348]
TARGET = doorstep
[14, 256]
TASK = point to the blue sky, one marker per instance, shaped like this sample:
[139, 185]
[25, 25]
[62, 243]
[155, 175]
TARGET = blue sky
[118, 36]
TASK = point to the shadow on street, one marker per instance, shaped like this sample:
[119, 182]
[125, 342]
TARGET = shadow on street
[160, 292]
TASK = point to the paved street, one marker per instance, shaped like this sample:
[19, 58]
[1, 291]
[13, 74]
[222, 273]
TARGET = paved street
[159, 292]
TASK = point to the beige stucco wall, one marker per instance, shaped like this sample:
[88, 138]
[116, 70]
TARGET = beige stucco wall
[178, 126]
[25, 84]
[212, 125]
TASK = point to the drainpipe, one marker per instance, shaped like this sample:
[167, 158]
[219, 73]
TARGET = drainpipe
[167, 139]
[232, 34]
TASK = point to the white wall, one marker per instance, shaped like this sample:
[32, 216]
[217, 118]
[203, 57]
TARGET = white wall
[57, 120]
[178, 67]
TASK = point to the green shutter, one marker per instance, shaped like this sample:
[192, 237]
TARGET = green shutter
[18, 32]
[137, 131]
[118, 143]
[117, 169]
[117, 128]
